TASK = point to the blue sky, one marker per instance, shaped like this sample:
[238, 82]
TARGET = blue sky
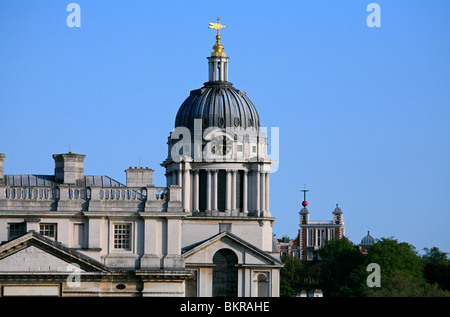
[363, 113]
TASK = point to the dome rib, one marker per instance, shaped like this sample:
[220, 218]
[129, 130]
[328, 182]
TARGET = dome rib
[218, 105]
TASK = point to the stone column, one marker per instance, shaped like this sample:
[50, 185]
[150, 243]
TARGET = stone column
[186, 190]
[196, 190]
[215, 71]
[267, 195]
[215, 193]
[2, 170]
[168, 178]
[179, 177]
[233, 193]
[208, 191]
[244, 194]
[257, 191]
[183, 189]
[262, 193]
[228, 192]
[173, 177]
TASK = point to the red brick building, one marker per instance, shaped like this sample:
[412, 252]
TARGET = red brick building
[313, 234]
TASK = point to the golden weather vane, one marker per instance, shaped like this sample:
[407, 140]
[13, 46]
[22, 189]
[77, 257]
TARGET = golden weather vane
[218, 47]
[216, 26]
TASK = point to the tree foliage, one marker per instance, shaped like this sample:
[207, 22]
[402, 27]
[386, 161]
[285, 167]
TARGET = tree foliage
[342, 271]
[437, 268]
[291, 276]
[435, 256]
[394, 256]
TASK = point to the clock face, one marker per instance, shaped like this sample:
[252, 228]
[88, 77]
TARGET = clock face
[221, 145]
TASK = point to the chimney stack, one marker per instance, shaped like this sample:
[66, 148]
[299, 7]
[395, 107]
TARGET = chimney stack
[139, 176]
[2, 169]
[69, 167]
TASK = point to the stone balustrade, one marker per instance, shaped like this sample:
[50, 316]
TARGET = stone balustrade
[93, 197]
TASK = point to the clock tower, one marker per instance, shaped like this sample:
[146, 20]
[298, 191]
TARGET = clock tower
[217, 152]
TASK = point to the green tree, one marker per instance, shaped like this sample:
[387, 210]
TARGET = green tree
[394, 256]
[437, 268]
[435, 256]
[342, 269]
[402, 270]
[399, 285]
[291, 275]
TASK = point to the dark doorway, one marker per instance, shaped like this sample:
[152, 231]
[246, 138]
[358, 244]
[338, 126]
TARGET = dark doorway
[225, 274]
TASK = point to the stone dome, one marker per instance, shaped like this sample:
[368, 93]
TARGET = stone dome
[337, 210]
[218, 104]
[367, 240]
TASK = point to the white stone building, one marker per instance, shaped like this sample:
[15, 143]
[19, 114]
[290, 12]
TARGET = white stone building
[208, 232]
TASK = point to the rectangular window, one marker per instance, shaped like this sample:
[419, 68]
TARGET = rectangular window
[16, 230]
[310, 238]
[122, 236]
[331, 234]
[78, 235]
[48, 230]
[320, 237]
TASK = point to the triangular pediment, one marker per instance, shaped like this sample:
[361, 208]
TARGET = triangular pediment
[34, 252]
[248, 254]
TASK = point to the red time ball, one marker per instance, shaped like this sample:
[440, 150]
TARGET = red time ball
[305, 203]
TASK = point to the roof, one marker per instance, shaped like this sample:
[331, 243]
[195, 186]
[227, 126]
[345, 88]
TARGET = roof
[49, 180]
[29, 180]
[189, 250]
[367, 240]
[102, 181]
[218, 104]
[52, 247]
[337, 210]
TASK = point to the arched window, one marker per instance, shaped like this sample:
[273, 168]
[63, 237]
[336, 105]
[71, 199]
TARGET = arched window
[225, 274]
[262, 285]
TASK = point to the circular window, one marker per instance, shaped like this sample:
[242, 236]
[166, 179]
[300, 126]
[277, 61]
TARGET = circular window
[120, 286]
[221, 121]
[236, 122]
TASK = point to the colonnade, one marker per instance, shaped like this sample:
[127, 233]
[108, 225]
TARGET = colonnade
[255, 190]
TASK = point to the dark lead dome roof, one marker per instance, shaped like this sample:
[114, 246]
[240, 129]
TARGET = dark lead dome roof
[218, 104]
[368, 240]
